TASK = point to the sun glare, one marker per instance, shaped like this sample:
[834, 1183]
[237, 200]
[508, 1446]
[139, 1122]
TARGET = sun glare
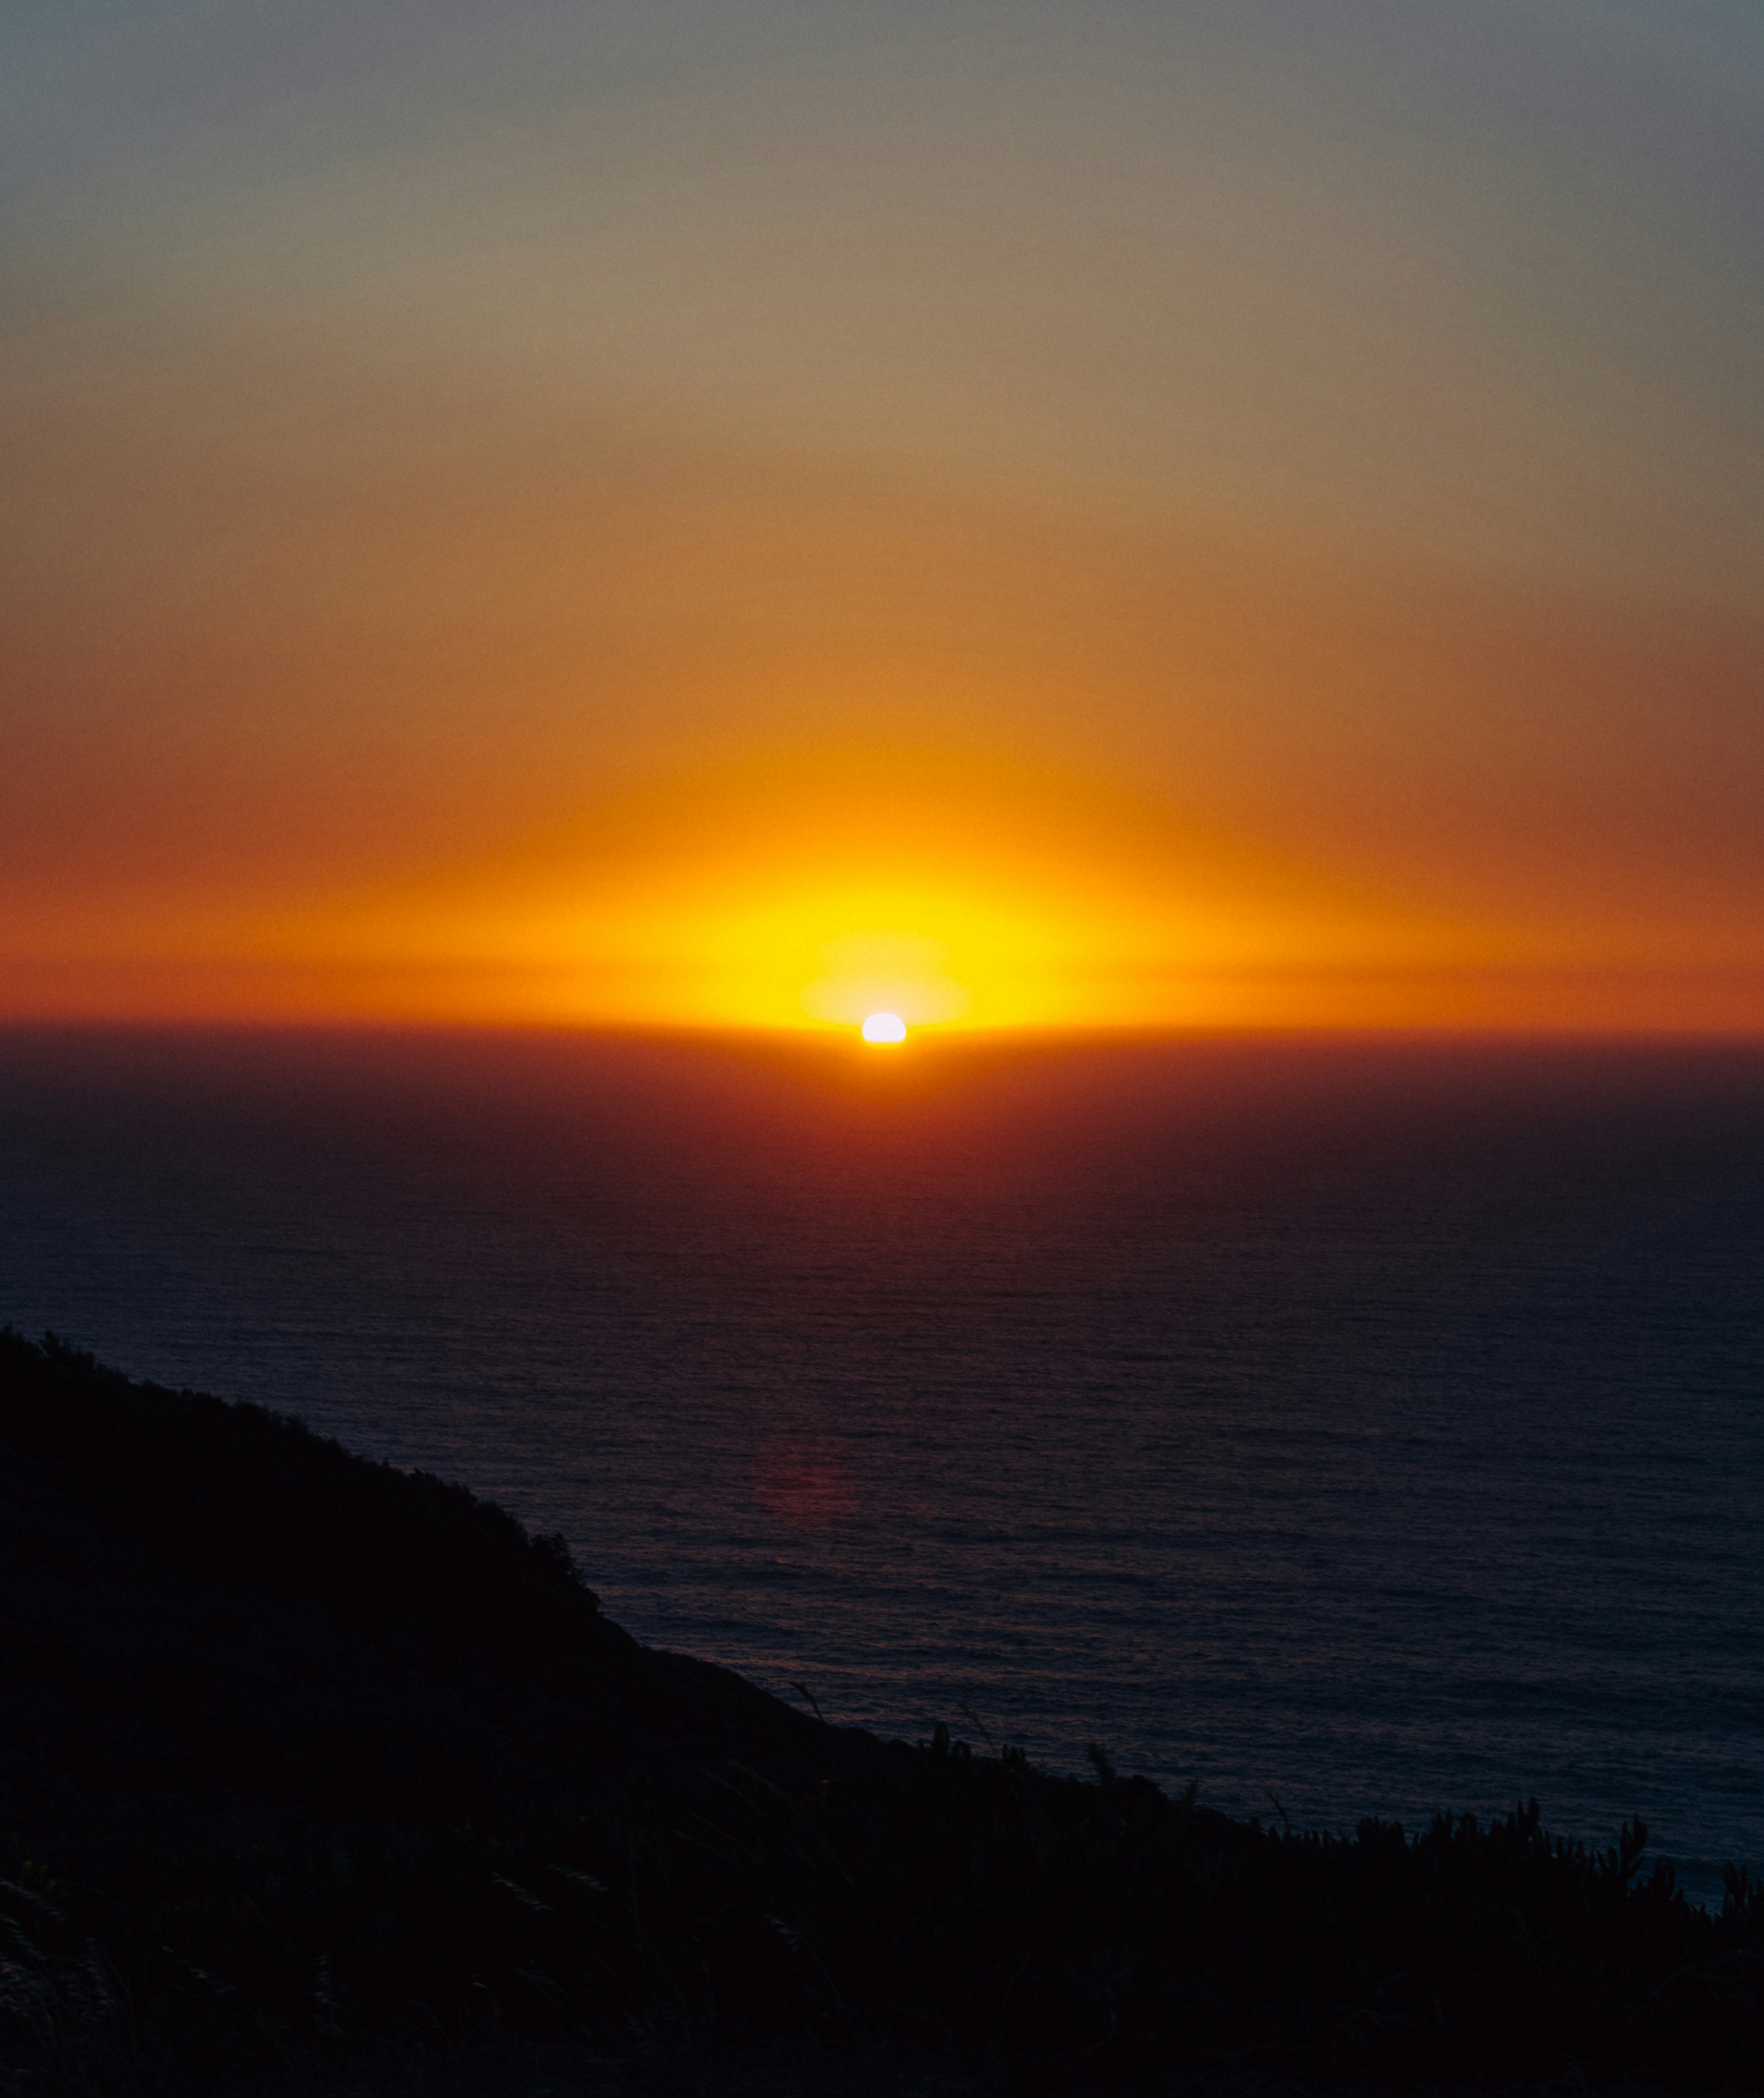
[884, 1027]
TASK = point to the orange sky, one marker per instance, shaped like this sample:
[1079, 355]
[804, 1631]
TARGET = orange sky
[601, 518]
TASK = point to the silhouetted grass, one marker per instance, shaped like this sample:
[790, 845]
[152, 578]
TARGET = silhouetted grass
[305, 1756]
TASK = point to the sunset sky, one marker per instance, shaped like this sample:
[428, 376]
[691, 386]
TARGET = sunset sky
[1155, 512]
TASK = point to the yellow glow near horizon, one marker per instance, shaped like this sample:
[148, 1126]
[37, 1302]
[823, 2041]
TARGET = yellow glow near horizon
[887, 975]
[948, 888]
[776, 895]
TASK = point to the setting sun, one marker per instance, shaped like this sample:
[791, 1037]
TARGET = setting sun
[884, 1027]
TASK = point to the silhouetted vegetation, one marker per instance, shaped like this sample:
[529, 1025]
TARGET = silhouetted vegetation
[307, 1761]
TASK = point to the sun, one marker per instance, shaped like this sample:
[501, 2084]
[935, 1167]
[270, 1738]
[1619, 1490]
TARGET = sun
[884, 1027]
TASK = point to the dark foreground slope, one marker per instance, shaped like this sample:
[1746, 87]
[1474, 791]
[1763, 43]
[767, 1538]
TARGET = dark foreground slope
[305, 1761]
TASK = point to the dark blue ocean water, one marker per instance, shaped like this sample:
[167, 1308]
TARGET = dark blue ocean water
[1374, 1429]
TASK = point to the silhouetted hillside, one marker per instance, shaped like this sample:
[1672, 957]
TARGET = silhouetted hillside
[311, 1764]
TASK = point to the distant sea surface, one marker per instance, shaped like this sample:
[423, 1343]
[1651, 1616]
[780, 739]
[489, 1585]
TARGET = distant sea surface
[1369, 1429]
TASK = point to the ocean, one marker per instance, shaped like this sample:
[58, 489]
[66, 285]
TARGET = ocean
[1348, 1428]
